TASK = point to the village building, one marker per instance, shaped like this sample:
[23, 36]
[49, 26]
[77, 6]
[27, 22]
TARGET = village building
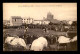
[41, 22]
[30, 20]
[6, 22]
[24, 20]
[37, 22]
[46, 22]
[27, 20]
[15, 21]
[49, 16]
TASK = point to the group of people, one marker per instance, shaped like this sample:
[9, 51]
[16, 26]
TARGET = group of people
[36, 43]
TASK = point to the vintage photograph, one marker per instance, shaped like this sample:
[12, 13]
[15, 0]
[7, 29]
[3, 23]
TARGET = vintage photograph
[40, 27]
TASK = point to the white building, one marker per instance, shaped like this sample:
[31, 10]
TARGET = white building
[24, 20]
[30, 20]
[41, 22]
[37, 22]
[27, 20]
[46, 22]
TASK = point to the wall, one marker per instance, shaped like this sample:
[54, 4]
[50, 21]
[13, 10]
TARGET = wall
[15, 22]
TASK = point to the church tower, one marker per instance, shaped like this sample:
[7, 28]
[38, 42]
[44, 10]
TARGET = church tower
[49, 16]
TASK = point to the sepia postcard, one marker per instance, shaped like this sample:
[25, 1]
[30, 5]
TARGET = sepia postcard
[39, 26]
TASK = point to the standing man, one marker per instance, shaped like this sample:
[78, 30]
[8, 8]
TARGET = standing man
[26, 29]
[25, 32]
[45, 30]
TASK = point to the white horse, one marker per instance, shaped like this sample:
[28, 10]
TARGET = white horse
[74, 39]
[39, 44]
[63, 39]
[14, 41]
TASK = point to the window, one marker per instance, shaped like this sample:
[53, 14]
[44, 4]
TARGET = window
[15, 20]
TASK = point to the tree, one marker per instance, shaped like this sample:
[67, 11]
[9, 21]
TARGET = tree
[74, 23]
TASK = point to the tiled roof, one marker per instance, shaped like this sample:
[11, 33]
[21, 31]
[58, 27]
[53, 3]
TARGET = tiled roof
[38, 20]
[53, 20]
[16, 17]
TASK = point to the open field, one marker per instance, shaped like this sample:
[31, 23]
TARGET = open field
[20, 32]
[31, 31]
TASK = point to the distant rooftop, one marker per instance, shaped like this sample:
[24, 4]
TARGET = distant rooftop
[55, 21]
[38, 20]
[17, 17]
[4, 21]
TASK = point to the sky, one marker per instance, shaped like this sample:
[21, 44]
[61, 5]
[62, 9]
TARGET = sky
[61, 11]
